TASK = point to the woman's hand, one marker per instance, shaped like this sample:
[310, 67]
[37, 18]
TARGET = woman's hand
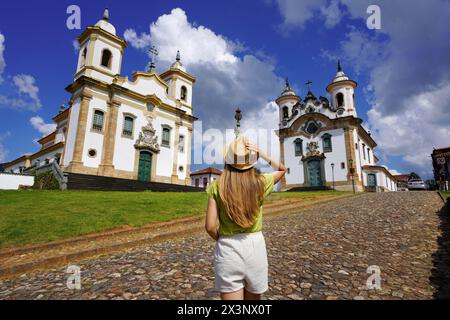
[253, 148]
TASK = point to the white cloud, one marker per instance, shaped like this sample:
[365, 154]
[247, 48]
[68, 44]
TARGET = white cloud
[297, 13]
[39, 124]
[26, 96]
[2, 58]
[225, 80]
[332, 14]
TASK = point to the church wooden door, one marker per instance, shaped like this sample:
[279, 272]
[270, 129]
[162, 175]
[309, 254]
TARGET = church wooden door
[145, 166]
[314, 173]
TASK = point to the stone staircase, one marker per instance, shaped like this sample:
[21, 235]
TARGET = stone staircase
[76, 181]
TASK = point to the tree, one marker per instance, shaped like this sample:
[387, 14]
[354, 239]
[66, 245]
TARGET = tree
[414, 175]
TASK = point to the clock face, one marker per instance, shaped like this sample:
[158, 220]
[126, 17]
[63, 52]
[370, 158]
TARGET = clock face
[340, 112]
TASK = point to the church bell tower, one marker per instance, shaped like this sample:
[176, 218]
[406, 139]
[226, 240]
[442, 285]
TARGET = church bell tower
[342, 93]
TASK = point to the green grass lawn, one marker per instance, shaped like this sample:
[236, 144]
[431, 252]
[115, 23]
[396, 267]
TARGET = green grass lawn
[445, 194]
[39, 216]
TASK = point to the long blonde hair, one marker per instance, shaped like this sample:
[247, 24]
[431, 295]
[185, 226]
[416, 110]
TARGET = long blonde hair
[241, 194]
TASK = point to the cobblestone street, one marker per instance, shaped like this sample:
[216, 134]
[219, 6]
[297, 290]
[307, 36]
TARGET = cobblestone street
[319, 253]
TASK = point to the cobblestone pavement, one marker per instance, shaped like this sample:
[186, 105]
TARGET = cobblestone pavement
[319, 253]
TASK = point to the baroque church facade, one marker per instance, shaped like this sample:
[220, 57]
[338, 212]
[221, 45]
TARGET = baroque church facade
[138, 128]
[323, 142]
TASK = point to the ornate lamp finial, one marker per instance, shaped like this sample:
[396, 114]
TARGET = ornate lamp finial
[178, 55]
[238, 118]
[106, 14]
[62, 107]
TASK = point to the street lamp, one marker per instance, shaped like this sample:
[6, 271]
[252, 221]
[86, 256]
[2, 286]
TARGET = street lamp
[352, 174]
[332, 173]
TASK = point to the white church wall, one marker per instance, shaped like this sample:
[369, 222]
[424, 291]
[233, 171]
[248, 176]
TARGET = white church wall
[50, 157]
[100, 45]
[337, 156]
[182, 156]
[94, 140]
[295, 164]
[72, 132]
[165, 156]
[13, 181]
[124, 151]
[358, 156]
[145, 86]
[178, 84]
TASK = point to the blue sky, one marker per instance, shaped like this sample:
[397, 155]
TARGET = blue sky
[401, 85]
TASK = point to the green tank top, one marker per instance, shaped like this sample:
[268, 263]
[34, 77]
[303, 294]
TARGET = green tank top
[226, 226]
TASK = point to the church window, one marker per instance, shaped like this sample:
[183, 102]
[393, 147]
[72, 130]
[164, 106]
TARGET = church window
[312, 128]
[340, 99]
[364, 151]
[128, 126]
[342, 165]
[181, 168]
[97, 124]
[368, 154]
[197, 182]
[183, 93]
[285, 112]
[298, 147]
[181, 144]
[326, 143]
[106, 58]
[83, 57]
[356, 146]
[165, 137]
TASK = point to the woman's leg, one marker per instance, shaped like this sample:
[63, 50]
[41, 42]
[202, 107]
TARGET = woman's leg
[237, 295]
[251, 296]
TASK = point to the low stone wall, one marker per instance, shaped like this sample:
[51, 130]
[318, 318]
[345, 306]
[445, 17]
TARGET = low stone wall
[12, 181]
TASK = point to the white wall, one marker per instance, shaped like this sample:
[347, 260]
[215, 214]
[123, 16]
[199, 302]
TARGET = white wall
[13, 181]
[201, 177]
[93, 139]
[72, 132]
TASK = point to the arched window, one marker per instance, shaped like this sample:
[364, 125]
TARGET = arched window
[340, 99]
[326, 143]
[83, 57]
[106, 58]
[298, 147]
[285, 112]
[127, 130]
[97, 123]
[183, 95]
[165, 137]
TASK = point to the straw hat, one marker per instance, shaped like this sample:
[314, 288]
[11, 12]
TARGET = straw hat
[238, 156]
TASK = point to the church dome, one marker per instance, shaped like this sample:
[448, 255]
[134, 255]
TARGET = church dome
[104, 23]
[177, 64]
[340, 75]
[288, 91]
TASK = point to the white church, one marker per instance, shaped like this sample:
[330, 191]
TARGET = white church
[323, 142]
[138, 128]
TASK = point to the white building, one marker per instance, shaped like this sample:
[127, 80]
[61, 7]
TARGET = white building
[138, 128]
[203, 178]
[323, 142]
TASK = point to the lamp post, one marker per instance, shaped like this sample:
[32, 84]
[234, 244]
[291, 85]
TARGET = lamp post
[332, 173]
[352, 174]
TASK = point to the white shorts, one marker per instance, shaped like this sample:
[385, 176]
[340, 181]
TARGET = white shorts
[240, 261]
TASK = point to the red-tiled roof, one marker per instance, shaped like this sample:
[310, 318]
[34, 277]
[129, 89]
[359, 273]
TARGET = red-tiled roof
[209, 170]
[401, 177]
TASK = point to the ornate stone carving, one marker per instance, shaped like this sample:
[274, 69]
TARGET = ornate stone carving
[313, 149]
[147, 138]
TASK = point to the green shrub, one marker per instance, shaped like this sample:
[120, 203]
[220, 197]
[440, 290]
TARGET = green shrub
[46, 181]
